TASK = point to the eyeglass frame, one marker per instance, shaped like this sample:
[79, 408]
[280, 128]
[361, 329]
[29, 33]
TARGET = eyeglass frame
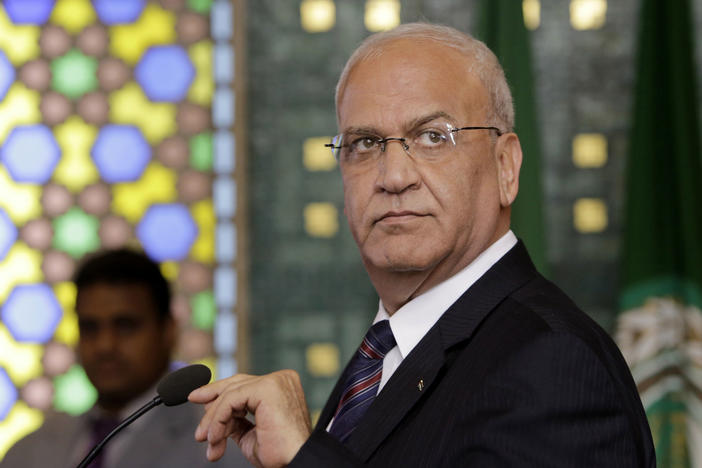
[383, 141]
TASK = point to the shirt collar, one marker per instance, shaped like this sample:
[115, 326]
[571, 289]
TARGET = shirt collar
[141, 400]
[413, 320]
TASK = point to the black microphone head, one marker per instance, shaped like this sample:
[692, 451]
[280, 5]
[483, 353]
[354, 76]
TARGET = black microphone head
[176, 386]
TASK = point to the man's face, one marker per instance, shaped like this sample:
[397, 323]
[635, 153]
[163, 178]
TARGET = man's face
[412, 215]
[123, 346]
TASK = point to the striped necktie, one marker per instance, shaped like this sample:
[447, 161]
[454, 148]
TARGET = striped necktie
[362, 378]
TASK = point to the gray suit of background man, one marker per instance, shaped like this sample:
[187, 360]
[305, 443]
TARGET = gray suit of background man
[127, 336]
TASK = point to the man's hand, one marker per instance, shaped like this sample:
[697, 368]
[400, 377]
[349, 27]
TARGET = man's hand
[282, 422]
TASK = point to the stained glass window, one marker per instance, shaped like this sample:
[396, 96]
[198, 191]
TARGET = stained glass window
[116, 128]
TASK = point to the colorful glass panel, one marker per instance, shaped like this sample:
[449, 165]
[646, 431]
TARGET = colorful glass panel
[7, 74]
[29, 11]
[74, 74]
[8, 394]
[30, 154]
[31, 313]
[73, 392]
[165, 73]
[118, 11]
[109, 104]
[8, 233]
[120, 153]
[167, 232]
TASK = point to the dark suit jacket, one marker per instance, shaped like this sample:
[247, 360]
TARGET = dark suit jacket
[513, 374]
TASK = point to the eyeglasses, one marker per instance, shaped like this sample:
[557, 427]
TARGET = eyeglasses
[429, 142]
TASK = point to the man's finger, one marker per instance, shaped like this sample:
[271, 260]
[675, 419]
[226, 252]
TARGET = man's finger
[209, 392]
[215, 451]
[221, 401]
[240, 427]
[231, 404]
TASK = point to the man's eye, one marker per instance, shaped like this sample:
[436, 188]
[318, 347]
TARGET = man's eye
[126, 325]
[363, 144]
[431, 138]
[86, 328]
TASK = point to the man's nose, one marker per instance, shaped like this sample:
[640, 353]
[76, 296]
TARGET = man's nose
[397, 170]
[106, 339]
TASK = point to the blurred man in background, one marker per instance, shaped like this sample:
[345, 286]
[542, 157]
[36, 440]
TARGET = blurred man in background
[127, 337]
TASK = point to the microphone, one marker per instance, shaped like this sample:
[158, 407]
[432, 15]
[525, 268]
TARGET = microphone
[172, 390]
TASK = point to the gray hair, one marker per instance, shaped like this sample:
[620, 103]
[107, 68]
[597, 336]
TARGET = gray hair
[483, 64]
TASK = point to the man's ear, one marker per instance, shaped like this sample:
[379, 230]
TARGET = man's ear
[508, 155]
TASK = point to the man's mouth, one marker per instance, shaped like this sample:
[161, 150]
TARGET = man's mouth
[398, 216]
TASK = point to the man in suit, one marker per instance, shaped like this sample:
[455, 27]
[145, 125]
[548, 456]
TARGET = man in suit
[474, 359]
[127, 336]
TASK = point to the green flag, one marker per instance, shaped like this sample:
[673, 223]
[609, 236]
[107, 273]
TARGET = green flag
[501, 27]
[660, 327]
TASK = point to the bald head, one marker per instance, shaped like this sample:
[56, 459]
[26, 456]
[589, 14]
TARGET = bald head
[480, 61]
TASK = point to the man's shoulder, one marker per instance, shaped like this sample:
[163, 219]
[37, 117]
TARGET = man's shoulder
[540, 322]
[50, 442]
[57, 425]
[543, 301]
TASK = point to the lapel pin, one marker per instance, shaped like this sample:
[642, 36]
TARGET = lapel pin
[420, 385]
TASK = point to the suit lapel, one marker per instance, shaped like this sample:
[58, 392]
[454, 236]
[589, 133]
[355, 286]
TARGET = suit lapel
[511, 272]
[399, 395]
[419, 370]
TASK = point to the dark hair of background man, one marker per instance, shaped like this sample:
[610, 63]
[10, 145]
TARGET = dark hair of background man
[124, 266]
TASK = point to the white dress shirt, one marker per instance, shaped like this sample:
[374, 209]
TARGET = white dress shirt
[413, 320]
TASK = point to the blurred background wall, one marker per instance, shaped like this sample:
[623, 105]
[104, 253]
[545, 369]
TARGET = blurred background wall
[583, 56]
[117, 127]
[194, 129]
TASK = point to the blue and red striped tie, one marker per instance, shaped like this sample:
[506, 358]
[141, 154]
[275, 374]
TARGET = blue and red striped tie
[362, 379]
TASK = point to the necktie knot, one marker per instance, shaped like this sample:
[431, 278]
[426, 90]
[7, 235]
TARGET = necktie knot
[378, 341]
[362, 379]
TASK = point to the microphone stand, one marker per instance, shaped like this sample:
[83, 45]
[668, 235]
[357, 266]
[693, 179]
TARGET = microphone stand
[94, 452]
